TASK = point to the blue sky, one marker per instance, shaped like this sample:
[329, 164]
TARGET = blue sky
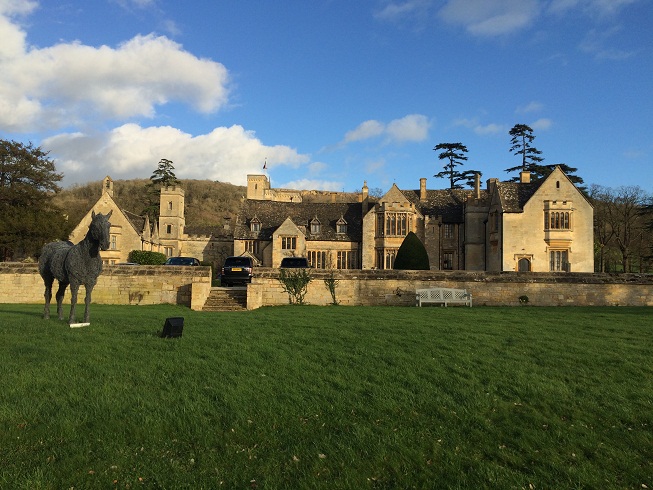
[330, 93]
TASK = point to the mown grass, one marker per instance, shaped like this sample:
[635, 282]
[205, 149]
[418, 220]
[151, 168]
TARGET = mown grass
[328, 397]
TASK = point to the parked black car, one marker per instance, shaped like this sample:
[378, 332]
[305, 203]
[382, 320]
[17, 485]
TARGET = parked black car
[294, 262]
[236, 270]
[182, 261]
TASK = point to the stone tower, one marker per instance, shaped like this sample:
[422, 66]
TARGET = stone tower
[257, 185]
[171, 219]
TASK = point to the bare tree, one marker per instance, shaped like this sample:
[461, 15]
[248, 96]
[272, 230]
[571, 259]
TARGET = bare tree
[603, 232]
[624, 208]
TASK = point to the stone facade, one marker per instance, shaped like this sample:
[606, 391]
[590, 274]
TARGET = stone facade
[170, 236]
[509, 226]
[128, 231]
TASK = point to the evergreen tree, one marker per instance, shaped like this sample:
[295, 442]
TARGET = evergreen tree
[531, 161]
[412, 255]
[522, 144]
[164, 175]
[28, 219]
[454, 153]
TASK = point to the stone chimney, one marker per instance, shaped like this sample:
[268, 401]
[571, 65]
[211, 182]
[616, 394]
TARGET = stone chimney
[477, 185]
[525, 177]
[422, 189]
[365, 197]
[491, 184]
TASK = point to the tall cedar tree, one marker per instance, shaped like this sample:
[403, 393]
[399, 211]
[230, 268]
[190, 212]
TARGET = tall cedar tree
[28, 180]
[164, 175]
[454, 153]
[522, 144]
[412, 255]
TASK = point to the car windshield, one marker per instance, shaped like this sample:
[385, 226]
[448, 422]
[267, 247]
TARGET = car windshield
[294, 262]
[181, 261]
[238, 262]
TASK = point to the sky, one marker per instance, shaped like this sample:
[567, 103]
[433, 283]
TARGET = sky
[328, 94]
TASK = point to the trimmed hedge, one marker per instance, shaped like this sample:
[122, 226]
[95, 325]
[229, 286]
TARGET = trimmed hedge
[144, 257]
[412, 255]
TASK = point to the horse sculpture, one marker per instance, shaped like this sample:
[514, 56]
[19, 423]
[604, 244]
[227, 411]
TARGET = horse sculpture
[75, 265]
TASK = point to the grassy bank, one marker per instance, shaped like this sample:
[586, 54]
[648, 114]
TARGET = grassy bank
[328, 397]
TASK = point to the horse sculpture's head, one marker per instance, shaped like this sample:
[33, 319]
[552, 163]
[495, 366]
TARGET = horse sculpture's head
[99, 229]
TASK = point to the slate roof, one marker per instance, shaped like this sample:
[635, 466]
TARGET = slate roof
[209, 230]
[448, 203]
[272, 214]
[138, 222]
[514, 195]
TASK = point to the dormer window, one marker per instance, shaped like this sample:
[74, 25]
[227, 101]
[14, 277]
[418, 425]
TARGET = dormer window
[341, 226]
[255, 225]
[316, 226]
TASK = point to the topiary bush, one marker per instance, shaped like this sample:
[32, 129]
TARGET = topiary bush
[412, 254]
[144, 257]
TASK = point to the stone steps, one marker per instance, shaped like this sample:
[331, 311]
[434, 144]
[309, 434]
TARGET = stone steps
[226, 299]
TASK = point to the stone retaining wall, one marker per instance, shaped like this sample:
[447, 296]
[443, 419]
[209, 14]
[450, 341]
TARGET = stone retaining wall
[191, 286]
[383, 287]
[120, 285]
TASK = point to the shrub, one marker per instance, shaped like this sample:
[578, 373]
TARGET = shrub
[331, 283]
[144, 257]
[412, 254]
[295, 283]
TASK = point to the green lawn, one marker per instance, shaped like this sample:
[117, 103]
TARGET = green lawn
[328, 397]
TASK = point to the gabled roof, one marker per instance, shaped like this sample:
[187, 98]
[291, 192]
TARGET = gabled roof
[272, 214]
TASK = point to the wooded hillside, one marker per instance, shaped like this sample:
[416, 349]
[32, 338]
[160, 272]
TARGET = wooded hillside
[207, 202]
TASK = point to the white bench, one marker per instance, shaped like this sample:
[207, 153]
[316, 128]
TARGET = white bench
[443, 296]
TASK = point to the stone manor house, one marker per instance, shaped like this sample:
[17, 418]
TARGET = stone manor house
[506, 226]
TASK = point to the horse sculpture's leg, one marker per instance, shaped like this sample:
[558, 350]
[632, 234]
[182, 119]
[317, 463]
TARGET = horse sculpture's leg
[48, 296]
[87, 301]
[74, 288]
[60, 294]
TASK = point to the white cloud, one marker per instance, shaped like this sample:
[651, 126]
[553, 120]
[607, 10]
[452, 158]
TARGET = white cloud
[542, 124]
[365, 130]
[72, 83]
[17, 7]
[410, 128]
[397, 11]
[414, 127]
[601, 8]
[374, 166]
[309, 185]
[131, 151]
[480, 129]
[317, 167]
[532, 106]
[490, 17]
[596, 43]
